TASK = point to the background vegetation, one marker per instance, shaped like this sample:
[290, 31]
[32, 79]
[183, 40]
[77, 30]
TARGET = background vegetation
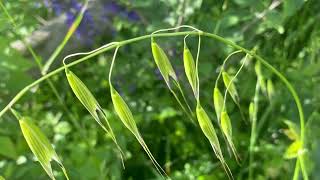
[286, 33]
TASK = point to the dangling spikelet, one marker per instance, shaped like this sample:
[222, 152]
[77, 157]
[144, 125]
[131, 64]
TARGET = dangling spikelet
[251, 111]
[209, 131]
[226, 127]
[91, 104]
[167, 71]
[230, 87]
[163, 63]
[127, 119]
[218, 102]
[190, 69]
[39, 144]
[270, 90]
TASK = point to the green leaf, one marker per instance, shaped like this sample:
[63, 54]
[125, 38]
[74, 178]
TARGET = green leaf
[293, 130]
[293, 150]
[7, 147]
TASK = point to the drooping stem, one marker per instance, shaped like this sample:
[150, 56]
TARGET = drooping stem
[253, 135]
[210, 35]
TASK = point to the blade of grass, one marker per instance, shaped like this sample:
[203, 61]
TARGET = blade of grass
[69, 34]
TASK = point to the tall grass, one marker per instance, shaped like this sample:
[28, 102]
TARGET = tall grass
[203, 117]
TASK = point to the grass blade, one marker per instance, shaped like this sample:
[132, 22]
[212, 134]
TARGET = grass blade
[69, 34]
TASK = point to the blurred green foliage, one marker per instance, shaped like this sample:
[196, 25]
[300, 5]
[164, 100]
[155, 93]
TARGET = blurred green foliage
[286, 33]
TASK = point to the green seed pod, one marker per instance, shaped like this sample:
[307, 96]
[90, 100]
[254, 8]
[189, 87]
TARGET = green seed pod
[127, 119]
[83, 93]
[232, 88]
[91, 104]
[270, 89]
[123, 111]
[39, 144]
[190, 68]
[260, 76]
[208, 129]
[251, 111]
[218, 102]
[226, 127]
[226, 124]
[162, 62]
[257, 68]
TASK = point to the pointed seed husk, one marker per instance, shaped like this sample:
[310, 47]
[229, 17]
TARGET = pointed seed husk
[251, 111]
[190, 68]
[231, 87]
[218, 102]
[162, 62]
[39, 144]
[125, 115]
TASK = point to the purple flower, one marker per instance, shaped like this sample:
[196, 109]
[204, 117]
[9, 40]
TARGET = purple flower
[112, 8]
[115, 8]
[133, 16]
[76, 5]
[89, 27]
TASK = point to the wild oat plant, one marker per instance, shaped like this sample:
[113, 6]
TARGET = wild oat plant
[44, 152]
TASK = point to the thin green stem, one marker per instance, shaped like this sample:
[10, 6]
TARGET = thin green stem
[231, 81]
[222, 66]
[253, 130]
[296, 171]
[112, 63]
[182, 106]
[213, 36]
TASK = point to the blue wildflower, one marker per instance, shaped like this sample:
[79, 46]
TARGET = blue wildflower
[133, 16]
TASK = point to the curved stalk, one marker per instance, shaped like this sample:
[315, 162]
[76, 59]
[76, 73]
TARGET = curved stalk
[213, 36]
